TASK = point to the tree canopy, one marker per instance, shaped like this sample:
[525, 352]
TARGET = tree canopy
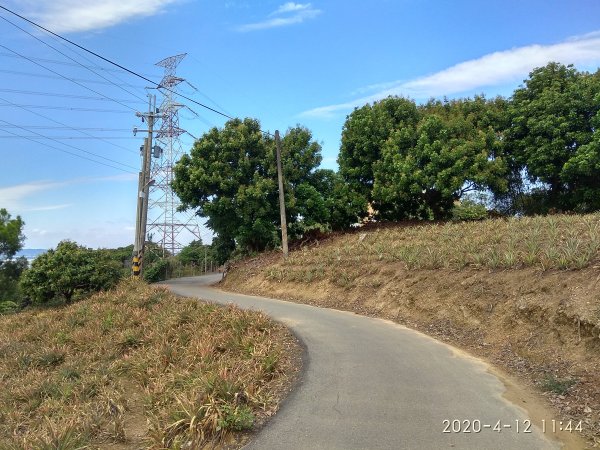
[554, 134]
[416, 161]
[365, 132]
[230, 178]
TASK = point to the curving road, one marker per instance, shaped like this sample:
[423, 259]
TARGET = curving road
[372, 384]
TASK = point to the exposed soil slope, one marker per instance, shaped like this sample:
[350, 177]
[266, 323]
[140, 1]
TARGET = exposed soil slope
[523, 314]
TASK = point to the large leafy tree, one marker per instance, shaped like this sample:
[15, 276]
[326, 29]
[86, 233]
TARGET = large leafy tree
[554, 134]
[365, 132]
[230, 178]
[414, 161]
[11, 241]
[425, 169]
[69, 271]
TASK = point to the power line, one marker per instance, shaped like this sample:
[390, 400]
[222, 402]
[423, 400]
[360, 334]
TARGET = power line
[206, 97]
[65, 77]
[68, 108]
[64, 138]
[66, 63]
[157, 85]
[43, 75]
[72, 146]
[66, 127]
[67, 56]
[56, 122]
[60, 95]
[33, 139]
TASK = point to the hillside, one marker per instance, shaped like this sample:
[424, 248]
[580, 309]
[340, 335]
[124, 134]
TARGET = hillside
[521, 293]
[138, 367]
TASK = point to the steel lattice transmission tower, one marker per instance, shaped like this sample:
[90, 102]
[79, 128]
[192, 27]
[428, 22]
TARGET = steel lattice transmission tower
[165, 224]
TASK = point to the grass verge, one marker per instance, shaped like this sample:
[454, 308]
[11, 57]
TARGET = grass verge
[137, 367]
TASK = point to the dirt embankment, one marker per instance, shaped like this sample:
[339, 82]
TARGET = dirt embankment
[543, 326]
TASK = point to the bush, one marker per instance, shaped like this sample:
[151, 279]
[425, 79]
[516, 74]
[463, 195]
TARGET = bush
[10, 271]
[69, 272]
[469, 210]
[8, 307]
[157, 271]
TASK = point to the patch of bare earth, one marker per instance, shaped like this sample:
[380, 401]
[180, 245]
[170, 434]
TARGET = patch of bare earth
[542, 326]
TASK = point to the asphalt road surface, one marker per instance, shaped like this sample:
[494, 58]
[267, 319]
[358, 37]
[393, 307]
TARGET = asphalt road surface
[371, 384]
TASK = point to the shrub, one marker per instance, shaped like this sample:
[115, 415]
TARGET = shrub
[557, 386]
[69, 272]
[8, 307]
[469, 210]
[157, 270]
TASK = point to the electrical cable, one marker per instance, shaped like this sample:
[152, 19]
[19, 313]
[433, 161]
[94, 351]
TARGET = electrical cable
[66, 63]
[67, 56]
[120, 66]
[60, 95]
[33, 139]
[69, 108]
[72, 146]
[43, 75]
[58, 123]
[43, 127]
[64, 138]
[65, 77]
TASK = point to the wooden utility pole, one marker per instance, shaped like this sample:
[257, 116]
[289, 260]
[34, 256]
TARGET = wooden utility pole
[284, 239]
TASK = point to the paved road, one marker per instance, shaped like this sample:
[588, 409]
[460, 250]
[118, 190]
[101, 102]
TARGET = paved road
[372, 384]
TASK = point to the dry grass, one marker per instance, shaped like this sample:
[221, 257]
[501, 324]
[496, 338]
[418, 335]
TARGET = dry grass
[552, 242]
[187, 373]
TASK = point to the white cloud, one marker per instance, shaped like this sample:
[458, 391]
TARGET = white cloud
[64, 16]
[290, 13]
[100, 236]
[12, 197]
[48, 207]
[17, 198]
[291, 7]
[493, 69]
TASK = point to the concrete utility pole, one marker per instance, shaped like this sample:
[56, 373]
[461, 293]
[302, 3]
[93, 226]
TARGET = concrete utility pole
[144, 183]
[284, 239]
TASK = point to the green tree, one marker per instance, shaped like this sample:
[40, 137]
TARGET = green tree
[230, 178]
[554, 134]
[365, 132]
[196, 253]
[11, 235]
[193, 253]
[424, 168]
[68, 272]
[344, 205]
[11, 241]
[226, 179]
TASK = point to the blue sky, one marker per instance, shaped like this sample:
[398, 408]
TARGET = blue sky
[284, 63]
